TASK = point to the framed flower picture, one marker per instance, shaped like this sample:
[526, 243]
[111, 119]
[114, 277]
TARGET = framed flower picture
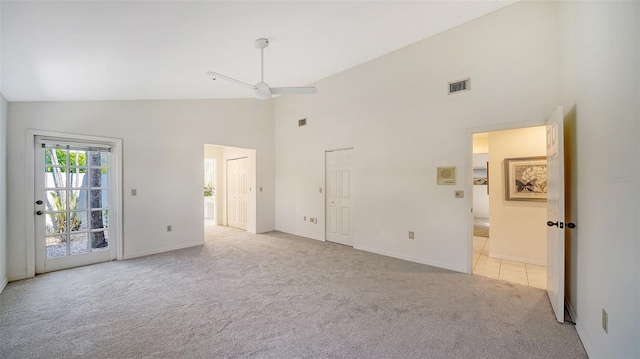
[526, 179]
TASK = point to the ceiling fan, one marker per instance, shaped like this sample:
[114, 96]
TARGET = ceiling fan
[261, 90]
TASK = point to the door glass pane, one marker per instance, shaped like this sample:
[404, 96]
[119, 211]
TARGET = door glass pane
[80, 199]
[98, 198]
[77, 177]
[99, 219]
[55, 177]
[54, 223]
[78, 222]
[99, 159]
[56, 246]
[56, 200]
[98, 179]
[79, 243]
[99, 240]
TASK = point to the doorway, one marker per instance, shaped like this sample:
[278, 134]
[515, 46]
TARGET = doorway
[339, 197]
[76, 190]
[231, 200]
[210, 185]
[509, 236]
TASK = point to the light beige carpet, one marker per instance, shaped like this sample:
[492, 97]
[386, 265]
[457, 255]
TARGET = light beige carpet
[276, 296]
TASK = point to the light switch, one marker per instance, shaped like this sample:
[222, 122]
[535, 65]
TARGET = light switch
[459, 194]
[134, 192]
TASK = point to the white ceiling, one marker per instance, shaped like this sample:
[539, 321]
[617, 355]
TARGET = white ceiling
[122, 50]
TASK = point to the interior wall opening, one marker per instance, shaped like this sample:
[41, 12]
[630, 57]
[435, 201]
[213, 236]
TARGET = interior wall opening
[229, 188]
[509, 235]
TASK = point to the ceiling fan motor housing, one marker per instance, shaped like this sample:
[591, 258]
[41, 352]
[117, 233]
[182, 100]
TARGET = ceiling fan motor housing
[262, 91]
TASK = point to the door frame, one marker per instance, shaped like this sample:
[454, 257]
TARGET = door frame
[115, 195]
[468, 180]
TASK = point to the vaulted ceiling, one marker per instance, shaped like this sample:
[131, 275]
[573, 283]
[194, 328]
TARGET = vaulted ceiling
[121, 50]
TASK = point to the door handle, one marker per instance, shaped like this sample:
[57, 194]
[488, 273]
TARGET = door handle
[39, 201]
[551, 224]
[571, 225]
[39, 213]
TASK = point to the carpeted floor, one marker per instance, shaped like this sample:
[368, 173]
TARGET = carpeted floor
[276, 296]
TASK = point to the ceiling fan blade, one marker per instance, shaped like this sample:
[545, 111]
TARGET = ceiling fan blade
[216, 75]
[294, 90]
[256, 104]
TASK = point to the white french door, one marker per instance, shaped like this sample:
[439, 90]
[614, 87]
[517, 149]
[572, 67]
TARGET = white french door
[339, 196]
[237, 192]
[555, 212]
[72, 201]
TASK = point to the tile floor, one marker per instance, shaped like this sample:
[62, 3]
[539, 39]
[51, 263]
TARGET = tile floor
[502, 269]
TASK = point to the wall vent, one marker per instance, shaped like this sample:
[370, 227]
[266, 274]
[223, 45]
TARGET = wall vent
[302, 122]
[459, 86]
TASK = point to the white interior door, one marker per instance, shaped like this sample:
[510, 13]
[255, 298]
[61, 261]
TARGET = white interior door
[339, 196]
[237, 192]
[555, 213]
[72, 201]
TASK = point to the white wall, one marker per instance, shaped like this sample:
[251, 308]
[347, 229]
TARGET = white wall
[3, 193]
[395, 112]
[162, 158]
[518, 228]
[601, 76]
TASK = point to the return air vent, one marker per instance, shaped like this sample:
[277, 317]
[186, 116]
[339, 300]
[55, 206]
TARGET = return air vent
[459, 86]
[302, 122]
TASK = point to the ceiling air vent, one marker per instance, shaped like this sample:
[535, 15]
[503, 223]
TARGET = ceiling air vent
[459, 86]
[302, 122]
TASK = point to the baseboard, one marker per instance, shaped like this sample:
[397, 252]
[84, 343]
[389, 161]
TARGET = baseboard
[518, 259]
[299, 234]
[411, 259]
[583, 338]
[13, 278]
[162, 250]
[265, 230]
[4, 283]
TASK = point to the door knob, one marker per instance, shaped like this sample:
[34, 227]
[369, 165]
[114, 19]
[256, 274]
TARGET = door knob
[39, 201]
[39, 213]
[551, 224]
[571, 225]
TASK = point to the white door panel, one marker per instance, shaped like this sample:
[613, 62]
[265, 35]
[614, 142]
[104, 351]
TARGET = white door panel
[555, 213]
[339, 206]
[237, 192]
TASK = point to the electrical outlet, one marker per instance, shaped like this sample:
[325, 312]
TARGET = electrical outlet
[169, 228]
[134, 192]
[411, 236]
[305, 218]
[320, 190]
[260, 189]
[605, 321]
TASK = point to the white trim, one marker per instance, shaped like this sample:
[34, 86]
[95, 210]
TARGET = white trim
[116, 191]
[582, 334]
[163, 250]
[3, 285]
[265, 230]
[300, 234]
[518, 259]
[17, 277]
[411, 259]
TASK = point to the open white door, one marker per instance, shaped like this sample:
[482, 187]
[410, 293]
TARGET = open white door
[555, 213]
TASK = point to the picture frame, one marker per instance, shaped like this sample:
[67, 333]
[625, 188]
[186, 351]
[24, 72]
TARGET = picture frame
[525, 179]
